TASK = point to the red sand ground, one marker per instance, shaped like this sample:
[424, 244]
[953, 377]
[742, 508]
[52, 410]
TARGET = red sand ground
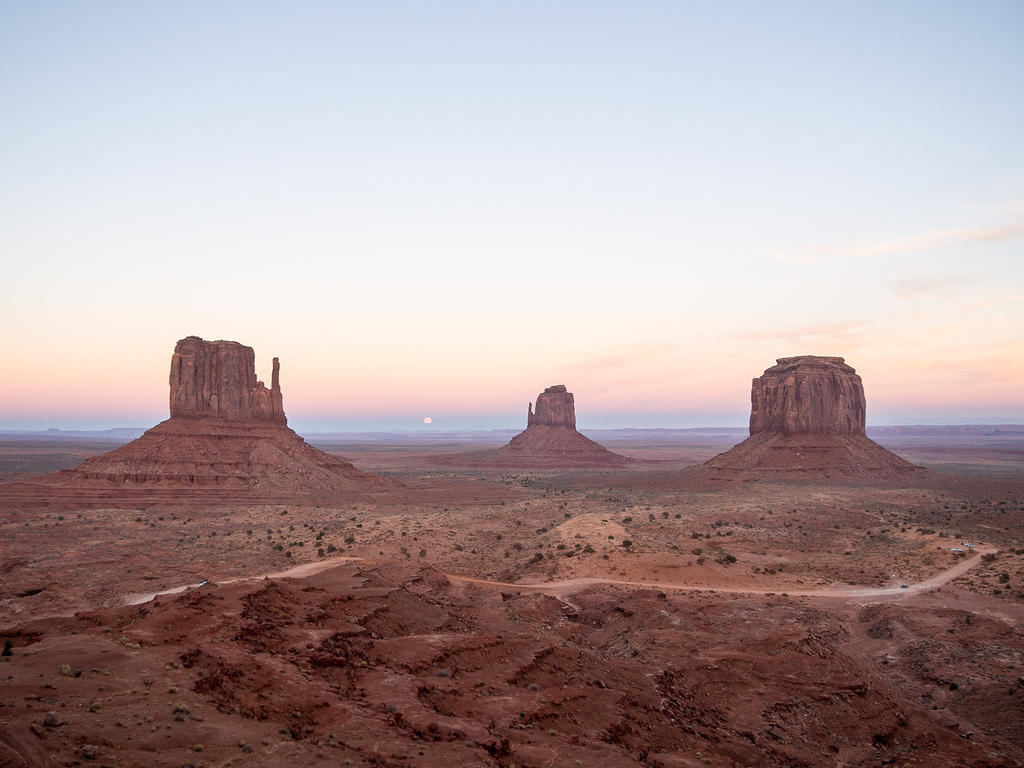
[765, 624]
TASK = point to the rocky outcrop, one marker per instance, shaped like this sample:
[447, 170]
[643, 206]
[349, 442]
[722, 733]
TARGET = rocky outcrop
[227, 437]
[555, 408]
[217, 379]
[550, 440]
[808, 395]
[20, 747]
[807, 418]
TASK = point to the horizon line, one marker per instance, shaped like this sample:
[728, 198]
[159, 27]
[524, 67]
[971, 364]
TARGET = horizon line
[428, 429]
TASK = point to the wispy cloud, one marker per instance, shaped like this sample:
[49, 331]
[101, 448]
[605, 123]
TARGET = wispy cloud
[624, 355]
[927, 241]
[803, 334]
[924, 286]
[998, 301]
[999, 364]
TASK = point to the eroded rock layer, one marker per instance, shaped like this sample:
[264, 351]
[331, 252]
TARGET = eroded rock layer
[808, 394]
[555, 408]
[807, 417]
[550, 440]
[226, 439]
[366, 664]
[218, 379]
[215, 453]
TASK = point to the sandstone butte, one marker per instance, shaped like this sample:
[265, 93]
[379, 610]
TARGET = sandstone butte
[807, 420]
[227, 434]
[550, 440]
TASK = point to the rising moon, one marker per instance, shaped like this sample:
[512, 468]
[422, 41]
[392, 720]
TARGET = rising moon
[428, 420]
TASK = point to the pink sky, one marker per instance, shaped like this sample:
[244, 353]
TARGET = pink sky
[440, 213]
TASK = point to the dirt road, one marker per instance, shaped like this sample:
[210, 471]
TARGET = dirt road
[306, 569]
[572, 586]
[567, 587]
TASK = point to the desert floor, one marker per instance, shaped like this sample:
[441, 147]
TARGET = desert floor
[528, 618]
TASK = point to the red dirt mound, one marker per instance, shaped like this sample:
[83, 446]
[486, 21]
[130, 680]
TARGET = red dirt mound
[400, 666]
[807, 456]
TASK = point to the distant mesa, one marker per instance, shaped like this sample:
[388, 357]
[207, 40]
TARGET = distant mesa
[807, 419]
[550, 440]
[227, 435]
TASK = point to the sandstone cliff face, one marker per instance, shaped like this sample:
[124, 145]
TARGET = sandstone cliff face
[555, 408]
[808, 395]
[807, 421]
[550, 440]
[217, 379]
[227, 439]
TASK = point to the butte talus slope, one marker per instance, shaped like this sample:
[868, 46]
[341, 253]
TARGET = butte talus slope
[550, 440]
[227, 435]
[807, 417]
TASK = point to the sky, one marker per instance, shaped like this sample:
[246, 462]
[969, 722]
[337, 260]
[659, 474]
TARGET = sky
[438, 209]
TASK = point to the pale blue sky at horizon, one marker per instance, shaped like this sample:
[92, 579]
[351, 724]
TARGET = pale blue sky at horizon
[439, 209]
